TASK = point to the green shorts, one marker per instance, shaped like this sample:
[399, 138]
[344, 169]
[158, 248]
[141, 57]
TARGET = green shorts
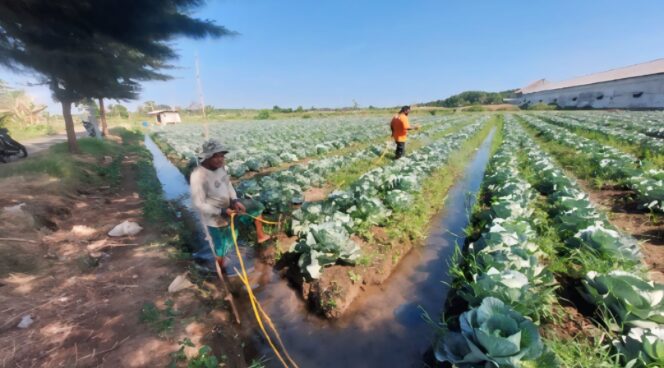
[222, 237]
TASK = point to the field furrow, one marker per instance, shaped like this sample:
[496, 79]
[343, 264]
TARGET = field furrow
[591, 159]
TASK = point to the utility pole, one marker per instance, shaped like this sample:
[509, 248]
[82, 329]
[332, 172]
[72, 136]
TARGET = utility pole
[201, 97]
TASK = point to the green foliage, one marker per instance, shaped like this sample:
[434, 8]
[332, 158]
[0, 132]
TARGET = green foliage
[263, 115]
[513, 288]
[642, 347]
[583, 352]
[159, 320]
[58, 163]
[204, 358]
[542, 107]
[258, 362]
[475, 108]
[276, 108]
[354, 277]
[472, 98]
[323, 245]
[134, 52]
[630, 300]
[490, 335]
[118, 110]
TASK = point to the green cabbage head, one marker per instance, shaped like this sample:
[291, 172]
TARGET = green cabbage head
[642, 347]
[631, 300]
[491, 335]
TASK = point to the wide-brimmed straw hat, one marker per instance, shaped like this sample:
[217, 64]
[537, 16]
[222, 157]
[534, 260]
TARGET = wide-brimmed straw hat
[209, 148]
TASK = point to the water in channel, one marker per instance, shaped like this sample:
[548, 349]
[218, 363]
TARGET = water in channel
[383, 327]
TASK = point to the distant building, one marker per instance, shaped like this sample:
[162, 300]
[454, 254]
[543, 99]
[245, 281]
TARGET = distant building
[639, 86]
[166, 116]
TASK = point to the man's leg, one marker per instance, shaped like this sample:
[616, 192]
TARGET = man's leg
[220, 240]
[399, 152]
[261, 237]
[255, 210]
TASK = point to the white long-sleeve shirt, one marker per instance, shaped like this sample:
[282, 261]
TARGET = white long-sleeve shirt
[210, 192]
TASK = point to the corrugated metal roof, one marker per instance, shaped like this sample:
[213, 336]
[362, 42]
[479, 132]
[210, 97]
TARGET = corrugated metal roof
[637, 70]
[156, 112]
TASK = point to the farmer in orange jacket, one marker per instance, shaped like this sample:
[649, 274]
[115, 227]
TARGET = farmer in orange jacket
[400, 128]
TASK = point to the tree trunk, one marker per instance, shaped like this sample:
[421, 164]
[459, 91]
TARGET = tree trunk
[69, 125]
[102, 115]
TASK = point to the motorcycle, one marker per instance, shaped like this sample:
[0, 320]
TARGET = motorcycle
[9, 148]
[92, 132]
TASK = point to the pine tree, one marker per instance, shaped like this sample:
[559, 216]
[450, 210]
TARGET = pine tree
[96, 48]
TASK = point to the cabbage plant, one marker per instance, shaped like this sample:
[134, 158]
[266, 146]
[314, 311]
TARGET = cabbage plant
[513, 288]
[398, 200]
[491, 335]
[323, 245]
[608, 241]
[642, 347]
[631, 300]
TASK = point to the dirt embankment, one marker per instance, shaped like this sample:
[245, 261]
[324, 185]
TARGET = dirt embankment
[625, 214]
[86, 299]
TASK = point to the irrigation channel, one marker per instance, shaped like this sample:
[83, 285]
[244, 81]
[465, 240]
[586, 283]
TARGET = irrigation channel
[383, 327]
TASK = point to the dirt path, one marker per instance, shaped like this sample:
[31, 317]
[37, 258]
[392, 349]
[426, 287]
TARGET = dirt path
[95, 300]
[35, 145]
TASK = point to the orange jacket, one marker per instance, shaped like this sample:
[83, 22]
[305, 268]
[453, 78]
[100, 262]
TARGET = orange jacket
[400, 127]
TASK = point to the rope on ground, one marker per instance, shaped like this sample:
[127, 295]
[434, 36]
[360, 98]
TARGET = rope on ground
[255, 305]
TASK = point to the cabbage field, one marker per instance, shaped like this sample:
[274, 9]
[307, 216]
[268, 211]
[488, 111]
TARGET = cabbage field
[558, 264]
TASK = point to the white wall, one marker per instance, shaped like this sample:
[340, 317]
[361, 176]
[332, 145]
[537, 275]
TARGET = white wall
[614, 94]
[170, 117]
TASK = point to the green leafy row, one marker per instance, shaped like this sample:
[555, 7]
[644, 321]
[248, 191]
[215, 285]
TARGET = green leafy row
[507, 289]
[630, 304]
[609, 162]
[324, 228]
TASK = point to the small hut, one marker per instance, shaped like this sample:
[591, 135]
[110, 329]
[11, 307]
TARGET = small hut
[166, 117]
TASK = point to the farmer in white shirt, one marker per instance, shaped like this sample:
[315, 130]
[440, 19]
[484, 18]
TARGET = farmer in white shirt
[213, 195]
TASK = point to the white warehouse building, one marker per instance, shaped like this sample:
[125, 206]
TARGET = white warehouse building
[639, 86]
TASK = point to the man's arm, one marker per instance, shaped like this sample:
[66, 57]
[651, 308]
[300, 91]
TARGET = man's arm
[406, 125]
[235, 203]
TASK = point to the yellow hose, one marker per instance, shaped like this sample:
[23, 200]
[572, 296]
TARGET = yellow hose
[255, 305]
[382, 155]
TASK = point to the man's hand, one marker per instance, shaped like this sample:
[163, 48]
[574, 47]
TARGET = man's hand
[239, 207]
[230, 211]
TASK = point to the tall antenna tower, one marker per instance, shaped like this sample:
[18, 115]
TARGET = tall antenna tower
[201, 97]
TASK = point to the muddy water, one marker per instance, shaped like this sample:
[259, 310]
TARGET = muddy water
[383, 327]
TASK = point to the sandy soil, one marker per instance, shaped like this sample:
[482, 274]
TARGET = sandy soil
[85, 290]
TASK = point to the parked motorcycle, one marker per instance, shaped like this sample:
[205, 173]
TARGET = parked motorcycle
[92, 132]
[9, 148]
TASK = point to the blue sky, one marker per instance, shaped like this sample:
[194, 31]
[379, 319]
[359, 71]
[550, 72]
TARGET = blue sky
[394, 52]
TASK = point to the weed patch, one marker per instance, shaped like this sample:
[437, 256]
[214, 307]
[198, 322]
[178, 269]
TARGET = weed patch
[160, 320]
